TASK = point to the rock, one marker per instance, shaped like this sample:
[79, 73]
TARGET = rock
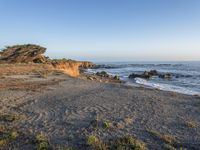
[116, 78]
[182, 76]
[90, 78]
[23, 54]
[70, 67]
[103, 66]
[86, 64]
[149, 74]
[102, 74]
[153, 73]
[144, 75]
[165, 76]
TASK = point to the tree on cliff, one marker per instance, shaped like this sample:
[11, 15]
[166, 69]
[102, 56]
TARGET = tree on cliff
[23, 54]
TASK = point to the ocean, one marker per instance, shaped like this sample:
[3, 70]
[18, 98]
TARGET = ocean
[185, 79]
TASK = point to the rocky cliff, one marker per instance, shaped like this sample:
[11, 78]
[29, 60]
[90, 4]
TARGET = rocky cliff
[30, 53]
[71, 67]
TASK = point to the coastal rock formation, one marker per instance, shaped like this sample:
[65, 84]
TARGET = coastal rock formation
[103, 74]
[149, 74]
[71, 67]
[145, 75]
[30, 53]
[23, 54]
[86, 64]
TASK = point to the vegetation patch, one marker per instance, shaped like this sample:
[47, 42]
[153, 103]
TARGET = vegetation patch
[124, 143]
[169, 147]
[163, 137]
[191, 124]
[170, 142]
[107, 125]
[96, 143]
[9, 117]
[41, 142]
[7, 136]
[127, 143]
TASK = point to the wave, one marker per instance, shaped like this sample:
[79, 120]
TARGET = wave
[165, 87]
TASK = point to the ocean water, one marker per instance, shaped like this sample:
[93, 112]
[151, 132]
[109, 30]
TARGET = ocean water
[186, 75]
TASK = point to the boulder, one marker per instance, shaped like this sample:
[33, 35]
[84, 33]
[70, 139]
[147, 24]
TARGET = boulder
[116, 78]
[153, 73]
[23, 54]
[144, 75]
[165, 76]
[102, 74]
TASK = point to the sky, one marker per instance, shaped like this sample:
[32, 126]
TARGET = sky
[105, 30]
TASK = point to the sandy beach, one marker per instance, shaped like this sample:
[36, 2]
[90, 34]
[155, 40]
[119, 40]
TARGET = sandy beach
[68, 110]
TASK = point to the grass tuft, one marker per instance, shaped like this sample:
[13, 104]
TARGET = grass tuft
[128, 143]
[7, 136]
[107, 125]
[191, 124]
[124, 143]
[95, 143]
[169, 147]
[165, 138]
[42, 142]
[8, 117]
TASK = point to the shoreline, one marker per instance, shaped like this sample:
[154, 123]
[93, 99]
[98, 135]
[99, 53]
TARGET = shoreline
[135, 84]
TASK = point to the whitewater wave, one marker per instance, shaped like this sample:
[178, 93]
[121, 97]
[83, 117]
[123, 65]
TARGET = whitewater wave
[165, 87]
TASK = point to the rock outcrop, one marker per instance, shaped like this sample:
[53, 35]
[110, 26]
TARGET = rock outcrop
[23, 54]
[30, 53]
[106, 75]
[145, 75]
[103, 74]
[149, 74]
[165, 76]
[71, 67]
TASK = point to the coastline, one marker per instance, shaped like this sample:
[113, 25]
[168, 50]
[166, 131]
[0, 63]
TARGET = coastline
[181, 77]
[63, 109]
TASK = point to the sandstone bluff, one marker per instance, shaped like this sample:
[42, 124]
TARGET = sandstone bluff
[30, 53]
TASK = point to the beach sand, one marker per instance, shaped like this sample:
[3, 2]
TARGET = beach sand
[68, 110]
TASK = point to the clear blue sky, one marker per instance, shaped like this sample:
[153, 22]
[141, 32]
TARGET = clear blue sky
[105, 30]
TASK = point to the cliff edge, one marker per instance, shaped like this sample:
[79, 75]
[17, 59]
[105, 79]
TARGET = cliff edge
[30, 53]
